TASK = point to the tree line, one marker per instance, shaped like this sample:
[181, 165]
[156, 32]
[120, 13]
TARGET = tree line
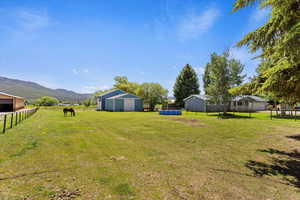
[220, 74]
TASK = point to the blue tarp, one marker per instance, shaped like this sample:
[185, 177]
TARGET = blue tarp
[170, 112]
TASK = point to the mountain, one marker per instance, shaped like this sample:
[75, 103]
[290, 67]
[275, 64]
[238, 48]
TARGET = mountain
[31, 91]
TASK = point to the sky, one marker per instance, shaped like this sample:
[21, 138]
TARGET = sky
[82, 45]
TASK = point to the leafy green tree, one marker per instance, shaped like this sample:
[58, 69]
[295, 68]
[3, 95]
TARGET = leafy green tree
[278, 40]
[122, 83]
[186, 84]
[47, 101]
[152, 94]
[236, 69]
[220, 79]
[206, 77]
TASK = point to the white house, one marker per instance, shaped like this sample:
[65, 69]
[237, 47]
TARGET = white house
[248, 103]
[200, 103]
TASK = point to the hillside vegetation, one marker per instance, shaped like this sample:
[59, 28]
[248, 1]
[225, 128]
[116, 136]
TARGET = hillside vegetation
[32, 91]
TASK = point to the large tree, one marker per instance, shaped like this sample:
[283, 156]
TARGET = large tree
[220, 79]
[152, 94]
[234, 71]
[186, 84]
[206, 77]
[122, 83]
[279, 42]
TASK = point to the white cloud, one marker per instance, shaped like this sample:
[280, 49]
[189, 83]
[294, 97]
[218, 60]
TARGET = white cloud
[80, 71]
[31, 21]
[199, 70]
[246, 58]
[259, 15]
[75, 71]
[194, 25]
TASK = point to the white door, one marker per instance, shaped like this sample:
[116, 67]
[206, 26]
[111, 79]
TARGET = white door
[129, 105]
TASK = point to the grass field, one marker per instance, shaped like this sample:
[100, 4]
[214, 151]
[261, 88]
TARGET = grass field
[102, 155]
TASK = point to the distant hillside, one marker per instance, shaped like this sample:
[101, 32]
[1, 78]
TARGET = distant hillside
[32, 91]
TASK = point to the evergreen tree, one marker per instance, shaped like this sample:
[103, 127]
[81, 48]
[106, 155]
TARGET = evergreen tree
[278, 40]
[186, 84]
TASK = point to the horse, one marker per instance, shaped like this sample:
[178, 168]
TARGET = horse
[71, 110]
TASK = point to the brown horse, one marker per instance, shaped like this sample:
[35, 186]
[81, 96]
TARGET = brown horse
[71, 110]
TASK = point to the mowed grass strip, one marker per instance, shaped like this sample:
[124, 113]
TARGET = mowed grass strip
[104, 155]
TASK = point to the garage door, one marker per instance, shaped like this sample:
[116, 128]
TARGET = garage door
[6, 105]
[129, 104]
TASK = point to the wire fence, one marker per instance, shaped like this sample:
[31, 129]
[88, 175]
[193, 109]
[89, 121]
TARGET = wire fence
[10, 120]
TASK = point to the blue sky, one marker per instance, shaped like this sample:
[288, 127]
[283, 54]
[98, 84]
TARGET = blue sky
[82, 45]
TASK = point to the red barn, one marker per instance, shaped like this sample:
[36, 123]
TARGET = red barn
[11, 103]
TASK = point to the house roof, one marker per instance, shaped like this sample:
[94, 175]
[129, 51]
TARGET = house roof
[238, 98]
[249, 97]
[203, 97]
[11, 95]
[124, 96]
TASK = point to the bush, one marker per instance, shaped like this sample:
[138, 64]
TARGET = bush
[47, 101]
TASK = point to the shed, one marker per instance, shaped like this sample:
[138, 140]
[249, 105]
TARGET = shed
[201, 103]
[101, 99]
[11, 103]
[124, 102]
[248, 103]
[195, 103]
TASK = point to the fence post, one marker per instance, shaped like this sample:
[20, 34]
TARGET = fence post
[11, 120]
[16, 122]
[4, 124]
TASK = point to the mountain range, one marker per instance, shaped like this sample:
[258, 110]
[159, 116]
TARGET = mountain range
[31, 91]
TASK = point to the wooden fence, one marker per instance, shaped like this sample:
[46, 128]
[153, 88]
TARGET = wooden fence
[9, 120]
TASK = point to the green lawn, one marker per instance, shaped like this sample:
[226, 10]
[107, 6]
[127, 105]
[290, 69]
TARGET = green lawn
[103, 155]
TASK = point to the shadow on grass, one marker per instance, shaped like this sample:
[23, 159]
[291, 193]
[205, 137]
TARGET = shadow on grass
[286, 117]
[230, 116]
[282, 163]
[295, 137]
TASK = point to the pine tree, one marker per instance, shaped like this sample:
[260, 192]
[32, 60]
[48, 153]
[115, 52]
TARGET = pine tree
[279, 42]
[186, 84]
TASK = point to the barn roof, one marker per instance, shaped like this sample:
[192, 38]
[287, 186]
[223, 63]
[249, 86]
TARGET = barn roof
[110, 91]
[10, 95]
[124, 96]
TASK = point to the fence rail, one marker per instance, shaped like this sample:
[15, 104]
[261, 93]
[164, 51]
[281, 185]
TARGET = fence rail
[9, 120]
